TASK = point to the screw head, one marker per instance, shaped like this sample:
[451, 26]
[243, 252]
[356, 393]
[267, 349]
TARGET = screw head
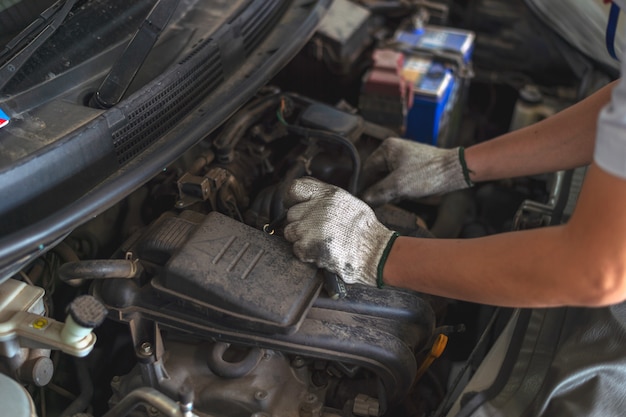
[145, 349]
[260, 395]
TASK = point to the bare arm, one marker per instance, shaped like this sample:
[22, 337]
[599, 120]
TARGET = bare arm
[581, 263]
[562, 141]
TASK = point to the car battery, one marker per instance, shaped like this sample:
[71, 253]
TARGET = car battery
[437, 64]
[433, 85]
[439, 40]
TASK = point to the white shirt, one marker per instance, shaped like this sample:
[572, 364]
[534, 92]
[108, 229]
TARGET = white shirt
[610, 148]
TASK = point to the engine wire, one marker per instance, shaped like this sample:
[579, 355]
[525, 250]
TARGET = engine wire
[280, 112]
[326, 136]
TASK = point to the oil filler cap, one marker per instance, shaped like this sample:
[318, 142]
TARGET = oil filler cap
[87, 311]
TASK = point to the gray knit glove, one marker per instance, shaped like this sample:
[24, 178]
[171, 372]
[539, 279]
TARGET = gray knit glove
[336, 231]
[413, 170]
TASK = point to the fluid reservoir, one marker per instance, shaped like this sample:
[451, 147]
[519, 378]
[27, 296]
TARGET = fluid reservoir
[15, 400]
[529, 108]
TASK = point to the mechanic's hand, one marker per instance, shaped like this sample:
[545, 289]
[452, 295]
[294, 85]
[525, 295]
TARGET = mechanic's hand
[413, 170]
[336, 231]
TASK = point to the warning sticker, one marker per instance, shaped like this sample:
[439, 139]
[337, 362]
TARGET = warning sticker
[4, 119]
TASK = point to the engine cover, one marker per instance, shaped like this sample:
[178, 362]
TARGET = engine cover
[241, 275]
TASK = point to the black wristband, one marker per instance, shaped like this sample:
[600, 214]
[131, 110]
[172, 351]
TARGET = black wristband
[466, 170]
[383, 259]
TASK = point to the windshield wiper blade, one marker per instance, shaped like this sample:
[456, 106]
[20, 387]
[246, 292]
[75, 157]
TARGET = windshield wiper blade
[40, 30]
[123, 72]
[27, 34]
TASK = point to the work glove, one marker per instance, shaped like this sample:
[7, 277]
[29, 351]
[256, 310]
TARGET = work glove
[336, 231]
[412, 170]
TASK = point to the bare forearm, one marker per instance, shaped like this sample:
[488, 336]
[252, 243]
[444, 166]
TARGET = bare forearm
[513, 269]
[563, 141]
[580, 263]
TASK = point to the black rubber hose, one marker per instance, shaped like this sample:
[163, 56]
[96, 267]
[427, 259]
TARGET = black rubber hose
[85, 383]
[277, 208]
[259, 211]
[99, 269]
[65, 252]
[330, 137]
[68, 255]
[224, 369]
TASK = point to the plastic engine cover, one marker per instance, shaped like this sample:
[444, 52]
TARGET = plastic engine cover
[239, 273]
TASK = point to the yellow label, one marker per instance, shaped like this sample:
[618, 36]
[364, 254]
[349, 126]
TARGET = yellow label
[40, 323]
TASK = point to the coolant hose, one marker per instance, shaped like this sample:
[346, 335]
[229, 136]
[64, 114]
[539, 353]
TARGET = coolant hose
[99, 269]
[83, 400]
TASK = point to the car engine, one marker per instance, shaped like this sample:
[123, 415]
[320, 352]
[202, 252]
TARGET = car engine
[184, 299]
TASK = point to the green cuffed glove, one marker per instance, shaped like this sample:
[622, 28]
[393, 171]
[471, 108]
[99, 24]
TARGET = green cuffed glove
[411, 170]
[336, 231]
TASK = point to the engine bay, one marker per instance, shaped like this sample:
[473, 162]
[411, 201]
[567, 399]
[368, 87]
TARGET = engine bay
[184, 298]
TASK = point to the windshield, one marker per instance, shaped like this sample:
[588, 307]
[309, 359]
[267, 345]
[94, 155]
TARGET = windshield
[91, 27]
